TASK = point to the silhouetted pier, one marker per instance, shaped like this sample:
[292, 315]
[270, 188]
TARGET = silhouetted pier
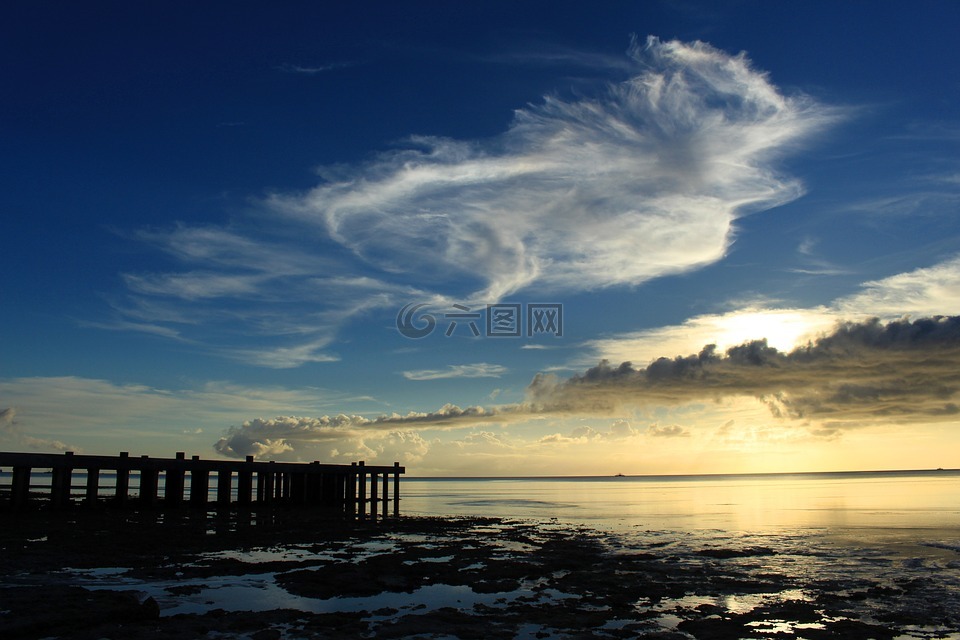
[356, 489]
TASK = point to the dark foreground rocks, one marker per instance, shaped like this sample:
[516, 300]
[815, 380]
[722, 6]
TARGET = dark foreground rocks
[436, 578]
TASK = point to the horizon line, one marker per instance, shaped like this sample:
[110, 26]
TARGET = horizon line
[698, 475]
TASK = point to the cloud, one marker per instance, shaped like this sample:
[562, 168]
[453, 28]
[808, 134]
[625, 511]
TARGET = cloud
[643, 178]
[12, 435]
[814, 265]
[860, 374]
[919, 203]
[286, 357]
[782, 328]
[543, 53]
[101, 416]
[672, 431]
[618, 431]
[141, 327]
[641, 181]
[478, 370]
[923, 292]
[269, 437]
[314, 70]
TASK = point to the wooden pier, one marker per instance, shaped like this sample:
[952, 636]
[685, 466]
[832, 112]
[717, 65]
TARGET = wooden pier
[357, 490]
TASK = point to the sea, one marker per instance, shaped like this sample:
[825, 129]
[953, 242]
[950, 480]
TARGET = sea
[884, 543]
[877, 501]
[892, 502]
[877, 542]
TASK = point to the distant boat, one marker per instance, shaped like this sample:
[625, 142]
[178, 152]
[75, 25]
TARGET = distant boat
[619, 475]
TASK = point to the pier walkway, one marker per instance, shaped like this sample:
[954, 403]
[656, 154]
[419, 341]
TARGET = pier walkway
[61, 480]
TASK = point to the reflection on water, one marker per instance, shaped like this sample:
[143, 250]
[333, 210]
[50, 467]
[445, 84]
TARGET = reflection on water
[733, 503]
[802, 556]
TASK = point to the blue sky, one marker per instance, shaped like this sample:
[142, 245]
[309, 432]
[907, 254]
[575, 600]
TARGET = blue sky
[213, 216]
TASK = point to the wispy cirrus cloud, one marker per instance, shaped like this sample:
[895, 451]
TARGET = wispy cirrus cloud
[478, 370]
[641, 181]
[813, 264]
[917, 202]
[644, 178]
[550, 54]
[312, 70]
[926, 291]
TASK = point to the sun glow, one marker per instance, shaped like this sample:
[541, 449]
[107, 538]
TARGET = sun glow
[783, 329]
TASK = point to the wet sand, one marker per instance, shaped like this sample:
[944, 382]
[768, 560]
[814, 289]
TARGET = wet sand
[294, 574]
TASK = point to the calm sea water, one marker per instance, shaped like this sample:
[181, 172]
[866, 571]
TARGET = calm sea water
[831, 533]
[835, 502]
[899, 500]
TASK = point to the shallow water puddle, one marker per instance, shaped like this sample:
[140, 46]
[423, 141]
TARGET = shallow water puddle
[258, 592]
[672, 610]
[940, 633]
[262, 556]
[757, 585]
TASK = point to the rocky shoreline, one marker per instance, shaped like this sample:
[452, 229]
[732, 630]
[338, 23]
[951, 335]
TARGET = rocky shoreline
[287, 574]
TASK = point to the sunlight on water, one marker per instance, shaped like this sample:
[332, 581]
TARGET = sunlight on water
[732, 503]
[779, 555]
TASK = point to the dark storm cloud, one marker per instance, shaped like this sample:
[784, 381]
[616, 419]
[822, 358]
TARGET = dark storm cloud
[904, 370]
[860, 374]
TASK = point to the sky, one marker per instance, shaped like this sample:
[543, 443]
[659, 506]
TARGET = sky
[484, 239]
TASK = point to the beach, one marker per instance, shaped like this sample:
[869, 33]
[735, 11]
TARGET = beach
[295, 573]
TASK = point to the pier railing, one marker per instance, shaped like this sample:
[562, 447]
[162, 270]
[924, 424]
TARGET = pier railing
[358, 490]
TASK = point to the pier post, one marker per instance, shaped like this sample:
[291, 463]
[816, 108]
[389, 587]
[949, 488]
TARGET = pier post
[123, 477]
[148, 483]
[163, 481]
[298, 488]
[173, 484]
[326, 495]
[20, 490]
[312, 488]
[199, 483]
[386, 494]
[61, 481]
[245, 484]
[396, 489]
[322, 497]
[265, 480]
[93, 485]
[352, 490]
[340, 491]
[223, 487]
[363, 490]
